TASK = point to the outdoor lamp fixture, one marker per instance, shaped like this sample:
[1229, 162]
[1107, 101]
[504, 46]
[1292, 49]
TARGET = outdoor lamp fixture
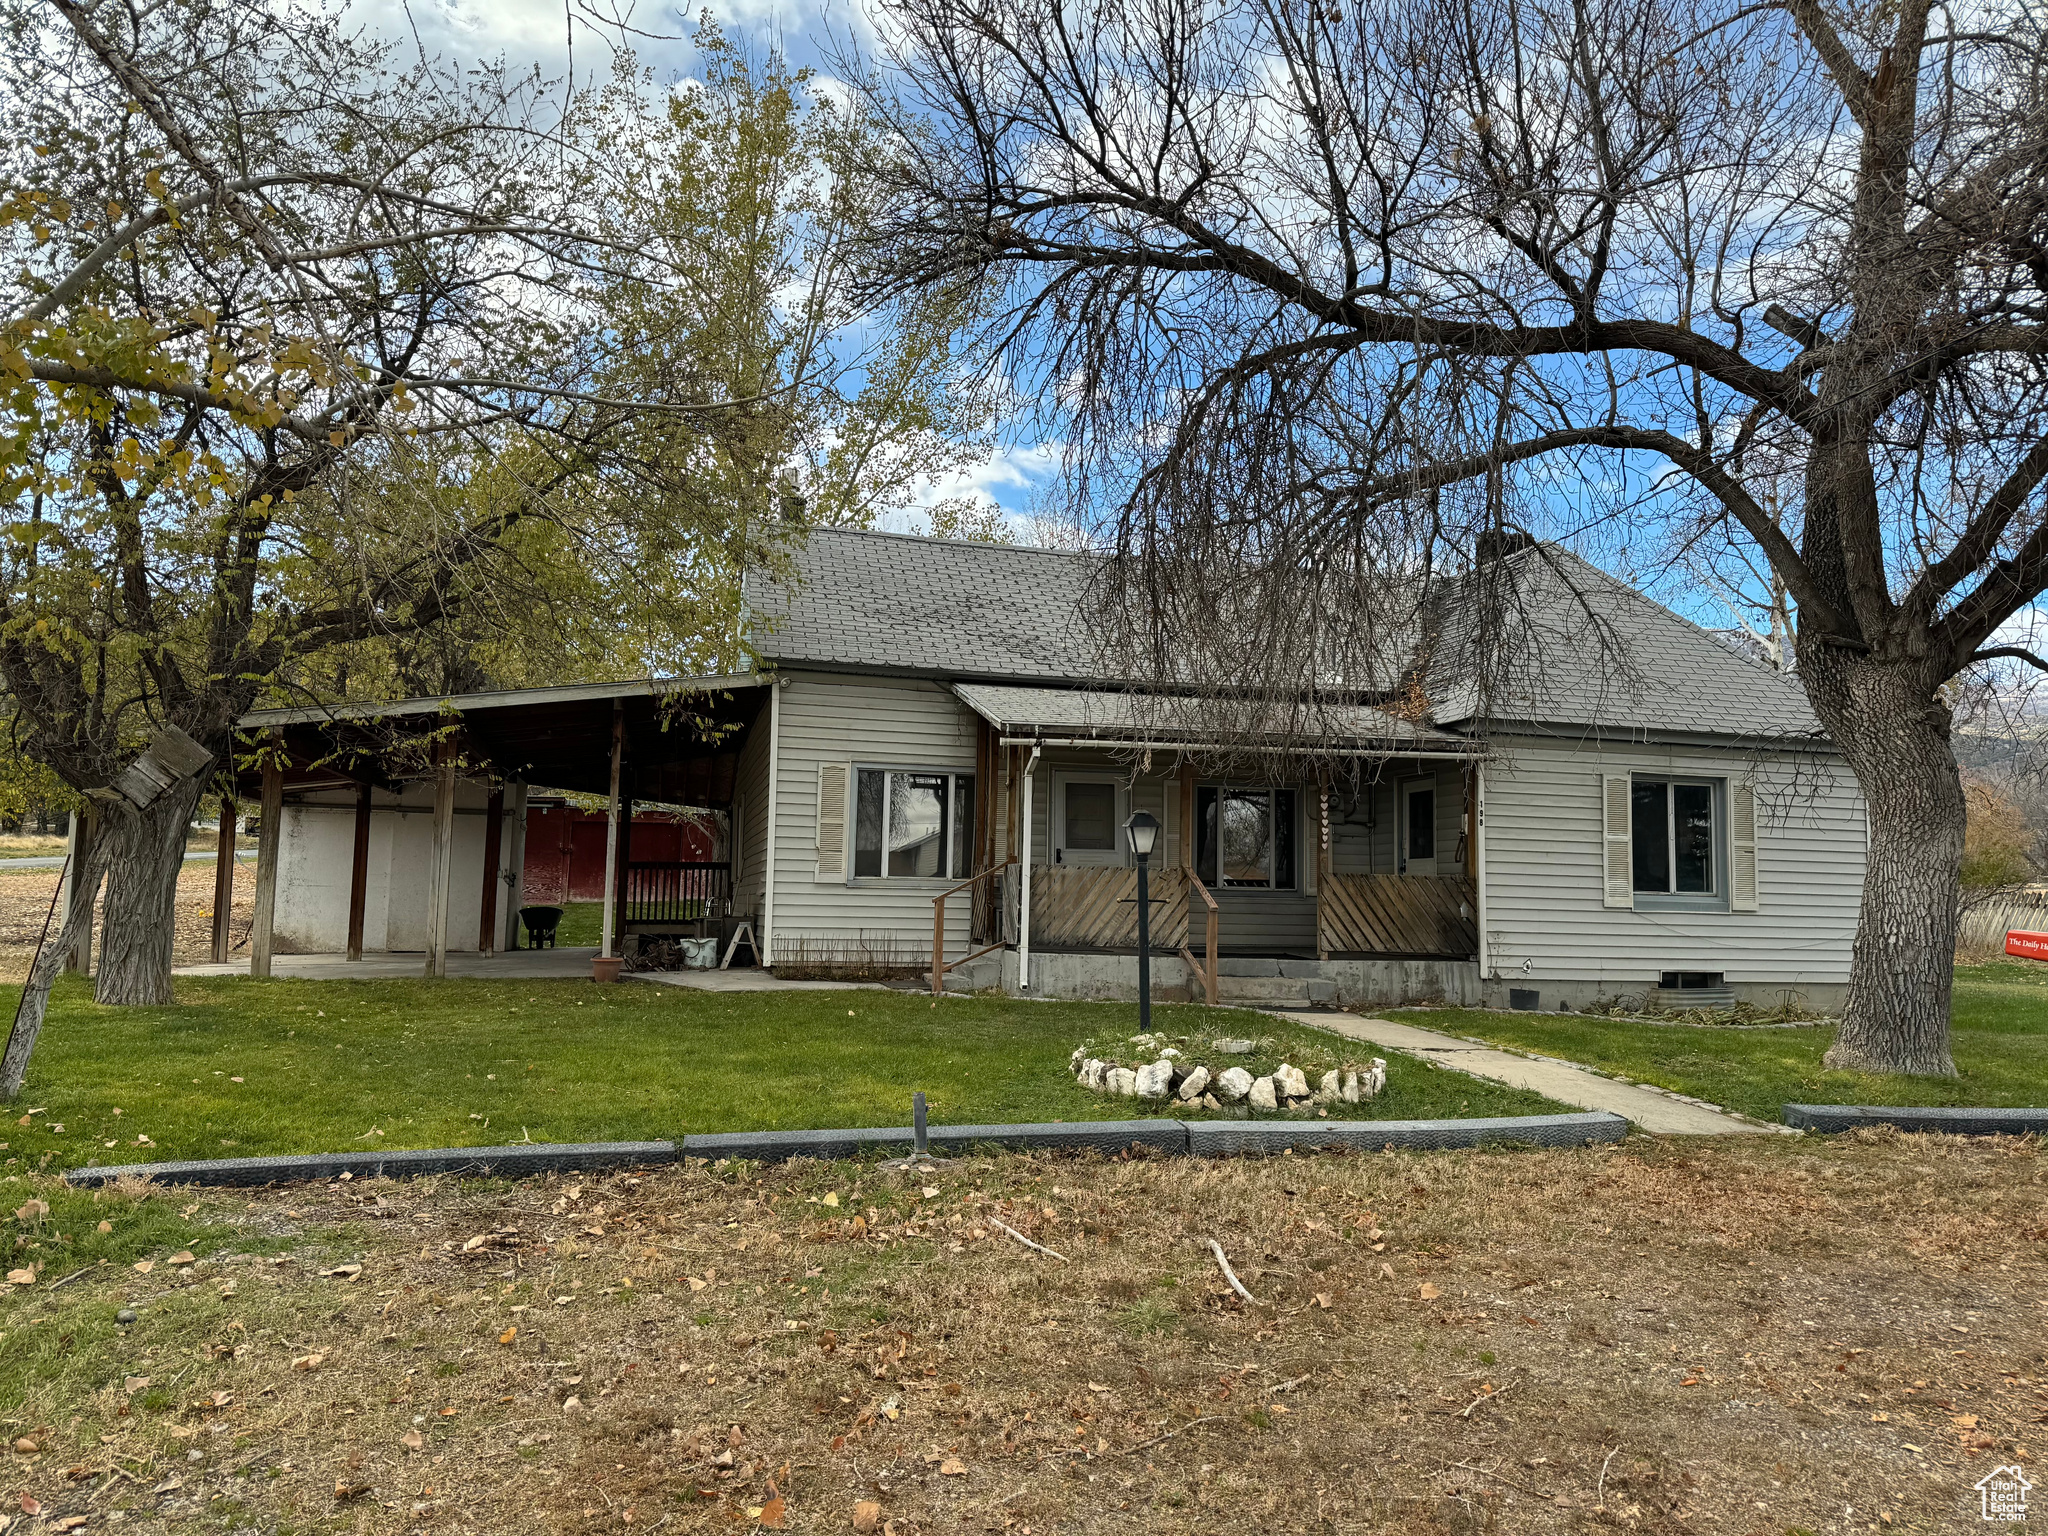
[1143, 831]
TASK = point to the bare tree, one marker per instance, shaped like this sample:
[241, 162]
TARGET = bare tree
[1319, 291]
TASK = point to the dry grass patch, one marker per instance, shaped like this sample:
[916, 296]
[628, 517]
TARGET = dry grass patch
[25, 896]
[1761, 1336]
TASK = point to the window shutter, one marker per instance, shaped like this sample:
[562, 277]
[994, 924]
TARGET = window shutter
[1618, 870]
[832, 796]
[1741, 847]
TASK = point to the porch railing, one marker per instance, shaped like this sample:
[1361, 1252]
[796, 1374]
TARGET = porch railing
[1397, 915]
[940, 965]
[1206, 974]
[676, 892]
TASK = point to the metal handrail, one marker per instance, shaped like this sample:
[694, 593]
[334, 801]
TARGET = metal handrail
[939, 965]
[1210, 981]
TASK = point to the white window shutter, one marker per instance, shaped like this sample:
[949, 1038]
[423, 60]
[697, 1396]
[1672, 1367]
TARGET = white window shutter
[1742, 896]
[832, 798]
[1617, 866]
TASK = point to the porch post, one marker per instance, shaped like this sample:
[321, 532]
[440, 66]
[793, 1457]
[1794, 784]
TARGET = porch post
[1322, 862]
[514, 874]
[766, 951]
[494, 834]
[270, 833]
[1024, 882]
[442, 867]
[1188, 830]
[1478, 846]
[611, 832]
[224, 880]
[359, 874]
[625, 858]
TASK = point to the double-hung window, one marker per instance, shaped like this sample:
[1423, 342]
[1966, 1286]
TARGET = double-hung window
[1246, 838]
[913, 823]
[1675, 839]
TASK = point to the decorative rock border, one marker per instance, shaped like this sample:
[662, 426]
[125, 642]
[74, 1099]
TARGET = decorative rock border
[1172, 1076]
[1173, 1138]
[1949, 1122]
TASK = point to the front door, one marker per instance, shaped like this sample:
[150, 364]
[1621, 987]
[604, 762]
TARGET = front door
[1418, 827]
[1086, 826]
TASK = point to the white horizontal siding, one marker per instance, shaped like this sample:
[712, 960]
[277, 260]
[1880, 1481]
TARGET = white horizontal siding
[1365, 824]
[750, 806]
[881, 722]
[1545, 915]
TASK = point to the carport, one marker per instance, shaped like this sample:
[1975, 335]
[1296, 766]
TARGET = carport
[445, 782]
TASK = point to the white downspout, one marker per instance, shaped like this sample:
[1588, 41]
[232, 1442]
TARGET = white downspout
[768, 842]
[1024, 883]
[1479, 864]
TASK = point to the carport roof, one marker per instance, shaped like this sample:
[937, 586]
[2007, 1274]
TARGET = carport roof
[683, 736]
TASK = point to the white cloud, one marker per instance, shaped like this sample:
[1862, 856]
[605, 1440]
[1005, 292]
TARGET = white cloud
[1007, 481]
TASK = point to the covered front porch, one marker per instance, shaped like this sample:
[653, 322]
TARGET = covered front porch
[1281, 872]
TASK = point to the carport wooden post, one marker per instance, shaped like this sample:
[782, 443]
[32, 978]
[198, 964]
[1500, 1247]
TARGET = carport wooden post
[611, 830]
[444, 858]
[625, 870]
[224, 879]
[359, 873]
[514, 874]
[269, 834]
[494, 834]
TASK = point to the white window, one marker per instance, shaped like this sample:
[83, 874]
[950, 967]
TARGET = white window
[1088, 820]
[913, 823]
[1677, 842]
[1674, 837]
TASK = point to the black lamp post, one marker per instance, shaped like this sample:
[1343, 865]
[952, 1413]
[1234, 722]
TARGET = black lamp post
[1143, 830]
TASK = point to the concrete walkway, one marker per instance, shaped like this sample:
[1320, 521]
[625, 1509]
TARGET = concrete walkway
[1563, 1081]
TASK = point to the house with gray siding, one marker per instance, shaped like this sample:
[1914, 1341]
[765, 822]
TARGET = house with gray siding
[1648, 810]
[928, 758]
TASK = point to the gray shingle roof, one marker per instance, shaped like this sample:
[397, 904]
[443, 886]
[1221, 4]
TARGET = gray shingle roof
[991, 612]
[1594, 651]
[936, 606]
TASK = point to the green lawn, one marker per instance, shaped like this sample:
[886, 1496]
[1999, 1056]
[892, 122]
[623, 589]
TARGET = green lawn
[2000, 1023]
[242, 1067]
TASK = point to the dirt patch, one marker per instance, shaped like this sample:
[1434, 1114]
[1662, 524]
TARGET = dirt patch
[25, 897]
[1758, 1337]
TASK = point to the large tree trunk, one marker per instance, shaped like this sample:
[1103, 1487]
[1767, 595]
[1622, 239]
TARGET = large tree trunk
[145, 852]
[1893, 728]
[35, 993]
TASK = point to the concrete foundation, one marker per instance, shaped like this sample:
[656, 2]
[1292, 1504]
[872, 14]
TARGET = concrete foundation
[1554, 995]
[1251, 982]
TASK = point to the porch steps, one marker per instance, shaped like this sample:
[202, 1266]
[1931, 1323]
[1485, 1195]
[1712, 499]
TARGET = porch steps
[1275, 983]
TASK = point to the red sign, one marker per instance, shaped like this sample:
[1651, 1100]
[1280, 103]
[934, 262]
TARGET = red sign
[2033, 945]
